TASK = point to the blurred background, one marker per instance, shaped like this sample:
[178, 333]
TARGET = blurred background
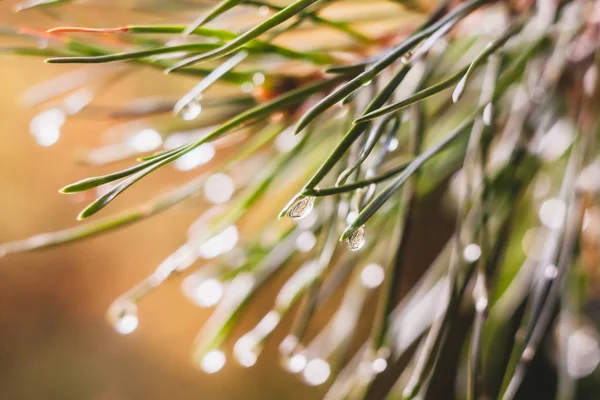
[55, 342]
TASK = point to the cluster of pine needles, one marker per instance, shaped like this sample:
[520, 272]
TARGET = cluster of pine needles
[353, 114]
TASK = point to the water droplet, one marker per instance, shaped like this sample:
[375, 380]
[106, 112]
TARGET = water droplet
[191, 110]
[481, 304]
[247, 359]
[557, 141]
[127, 324]
[552, 213]
[244, 352]
[302, 206]
[296, 363]
[247, 87]
[583, 355]
[213, 361]
[589, 178]
[472, 252]
[200, 155]
[551, 271]
[372, 275]
[219, 244]
[316, 372]
[393, 145]
[263, 11]
[286, 140]
[203, 292]
[379, 365]
[219, 188]
[488, 114]
[258, 78]
[406, 58]
[459, 89]
[145, 140]
[45, 126]
[356, 240]
[306, 241]
[123, 316]
[528, 354]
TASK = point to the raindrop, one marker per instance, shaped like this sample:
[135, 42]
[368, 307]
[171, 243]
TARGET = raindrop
[481, 304]
[218, 188]
[191, 110]
[263, 11]
[372, 275]
[213, 361]
[406, 58]
[247, 359]
[127, 324]
[589, 179]
[472, 252]
[302, 206]
[48, 136]
[205, 293]
[583, 355]
[379, 365]
[528, 354]
[258, 78]
[286, 140]
[459, 89]
[145, 140]
[247, 87]
[123, 316]
[316, 372]
[200, 155]
[356, 240]
[306, 241]
[45, 126]
[552, 213]
[488, 114]
[557, 141]
[297, 363]
[551, 271]
[243, 351]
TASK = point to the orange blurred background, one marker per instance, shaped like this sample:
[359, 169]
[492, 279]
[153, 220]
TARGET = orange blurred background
[55, 342]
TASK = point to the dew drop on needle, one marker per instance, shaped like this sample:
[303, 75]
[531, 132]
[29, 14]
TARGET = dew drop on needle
[356, 240]
[191, 111]
[123, 316]
[301, 207]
